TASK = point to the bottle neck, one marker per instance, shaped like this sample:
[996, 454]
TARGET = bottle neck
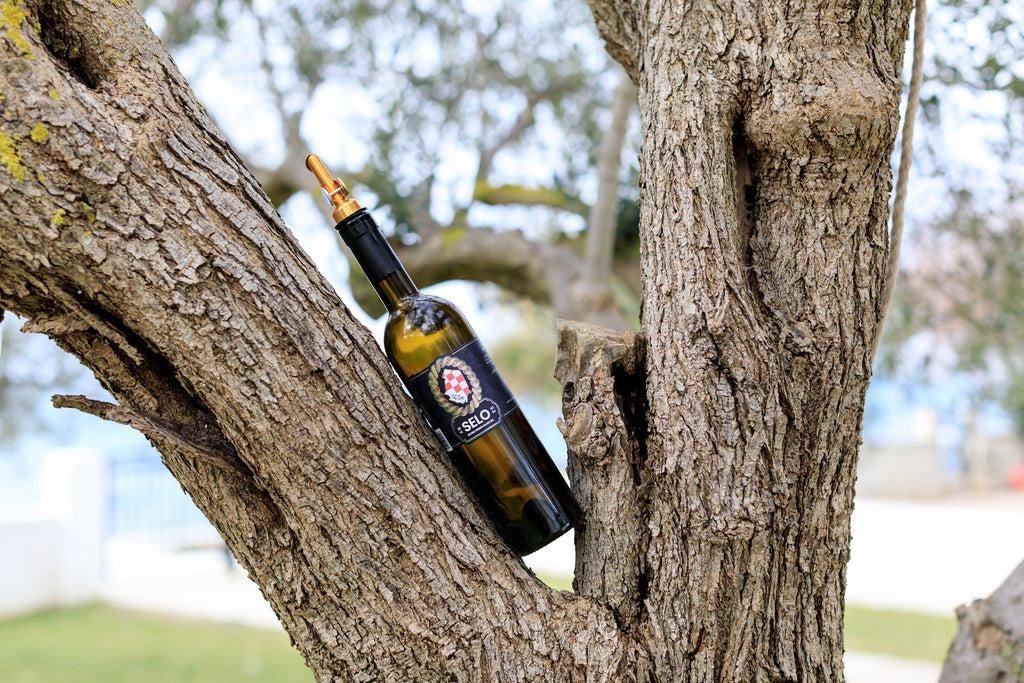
[394, 287]
[377, 259]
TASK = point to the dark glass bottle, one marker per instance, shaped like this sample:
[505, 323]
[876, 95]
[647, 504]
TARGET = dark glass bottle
[458, 390]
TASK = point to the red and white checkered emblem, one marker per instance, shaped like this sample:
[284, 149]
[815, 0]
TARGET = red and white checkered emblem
[455, 386]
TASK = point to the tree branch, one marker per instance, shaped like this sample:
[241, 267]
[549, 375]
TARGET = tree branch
[193, 305]
[522, 124]
[617, 25]
[534, 270]
[989, 645]
[200, 443]
[604, 400]
[544, 273]
[593, 292]
[903, 175]
[517, 195]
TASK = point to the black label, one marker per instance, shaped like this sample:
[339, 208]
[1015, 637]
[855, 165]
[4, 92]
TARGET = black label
[462, 395]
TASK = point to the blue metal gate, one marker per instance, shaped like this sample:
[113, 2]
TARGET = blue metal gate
[148, 506]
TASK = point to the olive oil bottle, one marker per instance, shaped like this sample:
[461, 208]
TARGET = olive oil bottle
[457, 388]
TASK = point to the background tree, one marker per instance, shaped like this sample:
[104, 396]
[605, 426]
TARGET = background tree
[958, 303]
[714, 453]
[961, 286]
[474, 129]
[31, 369]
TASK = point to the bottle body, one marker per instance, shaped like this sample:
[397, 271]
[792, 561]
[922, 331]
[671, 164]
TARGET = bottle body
[457, 388]
[466, 403]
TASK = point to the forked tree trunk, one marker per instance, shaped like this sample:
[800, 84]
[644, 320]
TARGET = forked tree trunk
[714, 453]
[764, 186]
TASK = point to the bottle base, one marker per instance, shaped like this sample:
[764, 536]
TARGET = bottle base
[524, 550]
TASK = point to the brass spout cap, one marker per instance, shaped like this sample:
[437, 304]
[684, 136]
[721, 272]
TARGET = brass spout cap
[333, 190]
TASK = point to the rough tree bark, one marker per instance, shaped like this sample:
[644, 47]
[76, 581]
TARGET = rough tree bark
[714, 453]
[764, 185]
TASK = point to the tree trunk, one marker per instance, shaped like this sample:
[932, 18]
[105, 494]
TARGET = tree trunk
[717, 487]
[764, 184]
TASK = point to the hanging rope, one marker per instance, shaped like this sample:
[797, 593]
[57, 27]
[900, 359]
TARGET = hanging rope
[906, 156]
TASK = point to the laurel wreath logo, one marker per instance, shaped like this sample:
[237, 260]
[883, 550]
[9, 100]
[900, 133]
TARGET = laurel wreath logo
[436, 386]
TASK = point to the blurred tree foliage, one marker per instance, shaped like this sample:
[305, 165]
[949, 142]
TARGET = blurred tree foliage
[960, 297]
[529, 349]
[31, 369]
[448, 115]
[974, 92]
[966, 295]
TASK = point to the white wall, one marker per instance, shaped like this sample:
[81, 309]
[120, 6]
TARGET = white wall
[931, 557]
[51, 553]
[28, 565]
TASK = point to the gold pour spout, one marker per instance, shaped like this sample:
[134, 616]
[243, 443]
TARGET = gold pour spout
[333, 189]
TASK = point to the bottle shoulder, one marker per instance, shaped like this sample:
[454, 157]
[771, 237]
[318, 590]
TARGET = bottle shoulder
[425, 313]
[422, 328]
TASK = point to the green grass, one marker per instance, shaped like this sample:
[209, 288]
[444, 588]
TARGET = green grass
[901, 634]
[562, 583]
[102, 645]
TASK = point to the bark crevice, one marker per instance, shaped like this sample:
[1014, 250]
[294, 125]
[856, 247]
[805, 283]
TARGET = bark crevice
[82, 58]
[745, 193]
[629, 377]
